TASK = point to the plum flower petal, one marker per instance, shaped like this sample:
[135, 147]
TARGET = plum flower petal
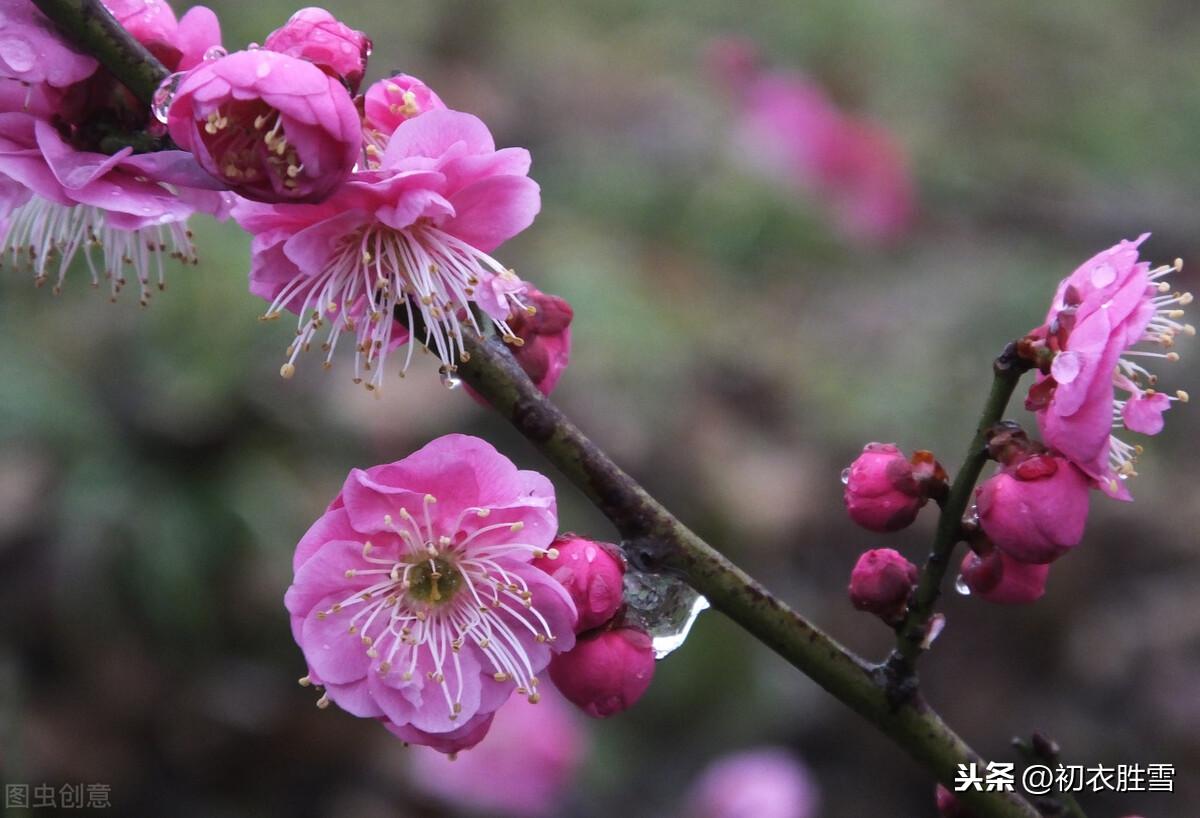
[415, 600]
[33, 52]
[400, 249]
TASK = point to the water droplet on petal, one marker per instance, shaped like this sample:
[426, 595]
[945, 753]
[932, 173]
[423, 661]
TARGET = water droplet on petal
[18, 54]
[665, 607]
[845, 475]
[933, 630]
[262, 70]
[1103, 275]
[164, 95]
[215, 52]
[253, 47]
[961, 585]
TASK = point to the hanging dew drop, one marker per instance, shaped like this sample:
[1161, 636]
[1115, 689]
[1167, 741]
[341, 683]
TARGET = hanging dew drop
[961, 586]
[449, 379]
[164, 95]
[846, 476]
[665, 607]
[933, 630]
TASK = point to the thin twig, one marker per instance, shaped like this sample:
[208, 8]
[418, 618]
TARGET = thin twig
[656, 540]
[910, 634]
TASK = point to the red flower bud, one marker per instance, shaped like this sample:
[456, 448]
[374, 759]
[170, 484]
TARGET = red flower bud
[606, 672]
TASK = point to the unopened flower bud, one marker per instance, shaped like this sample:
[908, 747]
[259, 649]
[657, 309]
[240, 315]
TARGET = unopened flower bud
[999, 578]
[606, 672]
[1035, 509]
[947, 804]
[593, 574]
[881, 582]
[884, 490]
[315, 35]
[546, 337]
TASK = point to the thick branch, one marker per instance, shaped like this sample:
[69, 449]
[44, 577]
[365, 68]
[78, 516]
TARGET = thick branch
[654, 538]
[910, 635]
[92, 29]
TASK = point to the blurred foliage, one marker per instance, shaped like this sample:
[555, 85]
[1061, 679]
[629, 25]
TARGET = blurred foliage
[731, 351]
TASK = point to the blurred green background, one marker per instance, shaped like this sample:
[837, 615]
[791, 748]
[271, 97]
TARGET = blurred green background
[731, 351]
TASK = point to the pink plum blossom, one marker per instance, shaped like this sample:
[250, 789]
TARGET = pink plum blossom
[401, 246]
[389, 102]
[524, 769]
[1087, 348]
[607, 672]
[997, 577]
[593, 574]
[315, 35]
[1034, 510]
[885, 490]
[881, 583]
[766, 782]
[271, 127]
[69, 195]
[789, 128]
[415, 601]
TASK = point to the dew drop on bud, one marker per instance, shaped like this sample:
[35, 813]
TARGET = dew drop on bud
[845, 476]
[253, 47]
[961, 586]
[449, 379]
[214, 53]
[164, 95]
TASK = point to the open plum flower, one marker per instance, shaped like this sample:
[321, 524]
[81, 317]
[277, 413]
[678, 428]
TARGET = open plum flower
[415, 600]
[400, 248]
[66, 191]
[1087, 349]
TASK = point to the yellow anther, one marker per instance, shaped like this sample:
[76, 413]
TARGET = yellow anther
[287, 371]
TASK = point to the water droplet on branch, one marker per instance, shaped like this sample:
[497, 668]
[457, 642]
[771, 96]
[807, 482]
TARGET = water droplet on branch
[664, 606]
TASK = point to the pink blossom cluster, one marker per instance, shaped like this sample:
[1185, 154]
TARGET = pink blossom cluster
[788, 127]
[72, 180]
[372, 215]
[1108, 320]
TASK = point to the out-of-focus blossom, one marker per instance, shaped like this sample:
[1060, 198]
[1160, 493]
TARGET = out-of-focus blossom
[315, 35]
[415, 600]
[999, 578]
[401, 247]
[1087, 351]
[1036, 509]
[272, 127]
[70, 190]
[881, 582]
[789, 128]
[885, 490]
[592, 572]
[607, 671]
[768, 782]
[390, 102]
[524, 769]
